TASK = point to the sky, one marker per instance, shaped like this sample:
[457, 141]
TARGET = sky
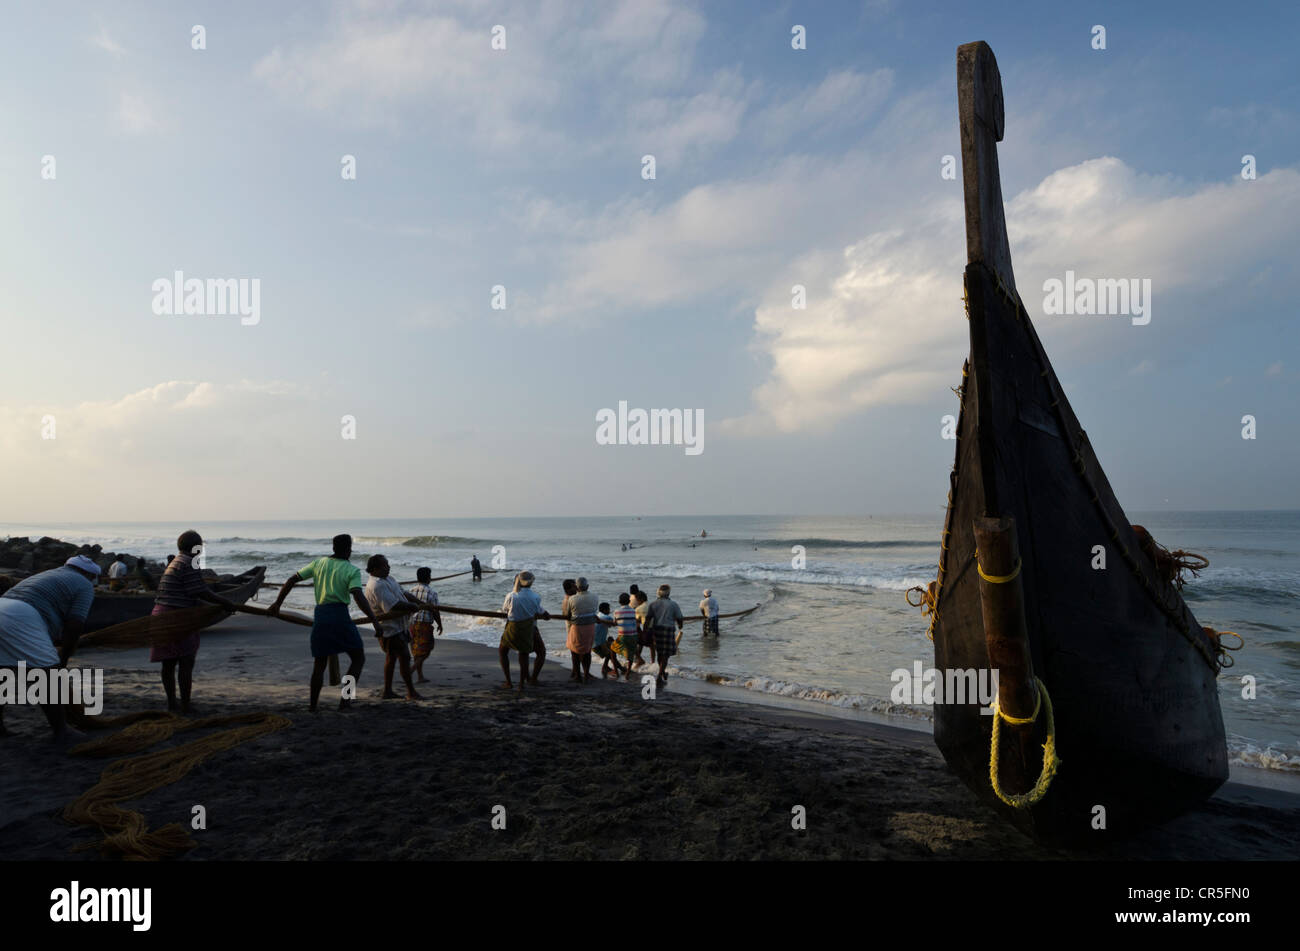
[378, 379]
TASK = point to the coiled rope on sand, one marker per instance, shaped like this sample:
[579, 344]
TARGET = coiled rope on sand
[126, 832]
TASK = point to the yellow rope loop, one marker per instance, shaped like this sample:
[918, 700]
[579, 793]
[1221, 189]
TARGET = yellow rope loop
[1223, 656]
[1050, 760]
[998, 579]
[908, 595]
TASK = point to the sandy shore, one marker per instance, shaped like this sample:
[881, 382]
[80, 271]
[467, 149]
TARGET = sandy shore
[590, 772]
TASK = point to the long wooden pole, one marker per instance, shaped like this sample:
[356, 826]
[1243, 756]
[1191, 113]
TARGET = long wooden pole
[1002, 604]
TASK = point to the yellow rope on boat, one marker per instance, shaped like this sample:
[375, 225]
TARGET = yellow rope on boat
[1050, 760]
[997, 579]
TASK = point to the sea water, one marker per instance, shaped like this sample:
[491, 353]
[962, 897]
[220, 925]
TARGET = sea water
[833, 623]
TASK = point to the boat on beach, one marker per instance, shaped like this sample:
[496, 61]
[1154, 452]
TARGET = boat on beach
[117, 607]
[1107, 719]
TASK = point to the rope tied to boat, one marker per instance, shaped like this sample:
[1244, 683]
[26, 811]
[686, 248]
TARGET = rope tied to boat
[1051, 762]
[1170, 565]
[998, 579]
[1223, 653]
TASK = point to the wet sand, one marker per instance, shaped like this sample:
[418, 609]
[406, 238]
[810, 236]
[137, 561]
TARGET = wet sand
[592, 772]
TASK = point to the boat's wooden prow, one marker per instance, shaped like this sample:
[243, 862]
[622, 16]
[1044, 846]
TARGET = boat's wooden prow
[1130, 674]
[983, 120]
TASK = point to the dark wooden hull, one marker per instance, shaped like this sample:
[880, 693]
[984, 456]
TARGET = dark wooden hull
[113, 608]
[1130, 673]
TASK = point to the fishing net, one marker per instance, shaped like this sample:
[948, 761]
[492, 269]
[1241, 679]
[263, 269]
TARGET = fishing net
[126, 832]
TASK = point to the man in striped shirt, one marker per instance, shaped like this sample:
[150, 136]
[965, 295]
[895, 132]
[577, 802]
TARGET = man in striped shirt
[182, 588]
[625, 624]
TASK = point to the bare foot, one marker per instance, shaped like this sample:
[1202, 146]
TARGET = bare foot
[506, 686]
[412, 695]
[532, 680]
[388, 695]
[422, 680]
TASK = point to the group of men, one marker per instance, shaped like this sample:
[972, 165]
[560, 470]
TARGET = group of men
[386, 606]
[637, 624]
[42, 619]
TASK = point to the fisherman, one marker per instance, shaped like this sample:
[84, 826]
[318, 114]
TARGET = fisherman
[522, 608]
[117, 574]
[387, 597]
[580, 611]
[143, 576]
[41, 620]
[332, 630]
[645, 636]
[709, 611]
[625, 619]
[604, 644]
[477, 568]
[422, 622]
[182, 587]
[662, 614]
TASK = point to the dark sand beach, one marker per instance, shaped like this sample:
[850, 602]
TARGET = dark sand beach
[591, 772]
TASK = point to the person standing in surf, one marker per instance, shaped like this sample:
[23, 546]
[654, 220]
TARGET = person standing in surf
[522, 608]
[332, 629]
[476, 567]
[709, 611]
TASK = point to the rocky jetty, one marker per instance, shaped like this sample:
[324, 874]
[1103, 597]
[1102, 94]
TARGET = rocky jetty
[22, 556]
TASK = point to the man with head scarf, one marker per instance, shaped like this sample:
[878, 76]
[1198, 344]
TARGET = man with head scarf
[41, 620]
[580, 612]
[522, 608]
[709, 611]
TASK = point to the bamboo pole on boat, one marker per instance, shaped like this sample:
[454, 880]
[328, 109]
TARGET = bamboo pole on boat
[1002, 604]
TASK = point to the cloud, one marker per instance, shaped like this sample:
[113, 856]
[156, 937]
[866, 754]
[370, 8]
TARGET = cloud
[811, 110]
[882, 328]
[162, 445]
[106, 43]
[1274, 369]
[378, 65]
[134, 114]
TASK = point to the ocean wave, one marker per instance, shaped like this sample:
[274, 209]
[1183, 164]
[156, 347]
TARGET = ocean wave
[419, 541]
[892, 578]
[1242, 753]
[789, 688]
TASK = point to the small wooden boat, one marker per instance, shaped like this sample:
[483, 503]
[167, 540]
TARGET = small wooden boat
[115, 607]
[1106, 684]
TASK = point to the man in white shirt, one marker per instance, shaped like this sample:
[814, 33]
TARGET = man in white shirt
[385, 596]
[117, 574]
[709, 611]
[522, 608]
